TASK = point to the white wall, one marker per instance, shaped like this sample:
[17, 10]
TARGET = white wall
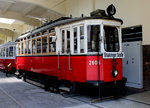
[132, 12]
[78, 7]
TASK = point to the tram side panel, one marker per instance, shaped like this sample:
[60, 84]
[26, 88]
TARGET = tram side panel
[36, 65]
[2, 64]
[78, 68]
[23, 63]
[49, 65]
[92, 68]
[10, 64]
[42, 65]
[7, 64]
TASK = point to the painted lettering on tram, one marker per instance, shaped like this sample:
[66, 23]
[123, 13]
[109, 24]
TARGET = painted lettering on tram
[94, 62]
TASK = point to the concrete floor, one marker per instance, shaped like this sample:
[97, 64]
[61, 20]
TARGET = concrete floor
[14, 93]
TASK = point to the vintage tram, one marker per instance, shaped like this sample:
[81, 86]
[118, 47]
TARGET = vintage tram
[73, 50]
[8, 57]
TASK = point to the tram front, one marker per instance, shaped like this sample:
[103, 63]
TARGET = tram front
[104, 40]
[111, 48]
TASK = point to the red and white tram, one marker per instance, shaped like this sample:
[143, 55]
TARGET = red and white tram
[74, 50]
[8, 57]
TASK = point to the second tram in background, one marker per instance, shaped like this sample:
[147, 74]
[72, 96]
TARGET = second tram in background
[71, 51]
[8, 57]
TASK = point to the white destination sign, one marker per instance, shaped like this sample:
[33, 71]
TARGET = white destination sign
[113, 55]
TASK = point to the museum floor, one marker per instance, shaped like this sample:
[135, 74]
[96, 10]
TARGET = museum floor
[14, 93]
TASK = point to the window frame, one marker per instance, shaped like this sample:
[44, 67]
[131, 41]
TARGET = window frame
[119, 36]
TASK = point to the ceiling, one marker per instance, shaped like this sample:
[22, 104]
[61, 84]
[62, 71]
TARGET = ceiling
[30, 11]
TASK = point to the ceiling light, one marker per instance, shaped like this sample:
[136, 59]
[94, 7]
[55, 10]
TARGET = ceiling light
[6, 20]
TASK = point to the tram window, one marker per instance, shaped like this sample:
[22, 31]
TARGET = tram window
[21, 47]
[63, 41]
[10, 51]
[44, 32]
[0, 52]
[33, 46]
[52, 44]
[33, 36]
[75, 39]
[3, 52]
[25, 46]
[111, 40]
[44, 44]
[68, 41]
[7, 52]
[14, 51]
[39, 45]
[29, 46]
[38, 34]
[81, 39]
[93, 38]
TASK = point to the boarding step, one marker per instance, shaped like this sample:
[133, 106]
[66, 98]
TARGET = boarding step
[67, 89]
[35, 83]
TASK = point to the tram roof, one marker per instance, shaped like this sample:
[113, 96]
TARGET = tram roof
[62, 21]
[8, 44]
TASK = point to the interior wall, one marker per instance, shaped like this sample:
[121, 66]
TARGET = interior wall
[132, 12]
[78, 7]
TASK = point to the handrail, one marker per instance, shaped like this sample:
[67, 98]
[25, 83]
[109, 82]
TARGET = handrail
[58, 60]
[69, 61]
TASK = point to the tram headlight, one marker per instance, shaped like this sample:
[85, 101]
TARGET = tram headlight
[114, 73]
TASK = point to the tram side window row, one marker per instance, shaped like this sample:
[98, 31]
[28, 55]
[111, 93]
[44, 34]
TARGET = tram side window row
[7, 52]
[42, 44]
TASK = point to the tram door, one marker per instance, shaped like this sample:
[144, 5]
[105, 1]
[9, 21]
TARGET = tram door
[65, 59]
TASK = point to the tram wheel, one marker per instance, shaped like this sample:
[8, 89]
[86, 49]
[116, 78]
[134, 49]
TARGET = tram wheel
[46, 84]
[24, 76]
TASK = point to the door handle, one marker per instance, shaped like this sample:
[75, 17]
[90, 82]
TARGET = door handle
[69, 62]
[58, 60]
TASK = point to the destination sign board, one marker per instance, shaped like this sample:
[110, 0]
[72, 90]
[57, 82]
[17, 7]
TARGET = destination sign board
[113, 55]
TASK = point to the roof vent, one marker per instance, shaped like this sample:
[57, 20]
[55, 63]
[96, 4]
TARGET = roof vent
[98, 13]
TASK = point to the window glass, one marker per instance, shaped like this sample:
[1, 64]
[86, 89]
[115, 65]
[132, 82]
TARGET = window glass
[81, 39]
[39, 45]
[63, 41]
[25, 46]
[21, 47]
[3, 52]
[111, 40]
[11, 51]
[93, 38]
[29, 46]
[7, 52]
[75, 39]
[14, 51]
[52, 44]
[0, 52]
[34, 46]
[68, 41]
[44, 44]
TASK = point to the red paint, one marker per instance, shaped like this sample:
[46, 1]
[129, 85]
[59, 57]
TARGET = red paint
[107, 68]
[72, 68]
[5, 62]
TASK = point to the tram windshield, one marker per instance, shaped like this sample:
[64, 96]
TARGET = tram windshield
[111, 39]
